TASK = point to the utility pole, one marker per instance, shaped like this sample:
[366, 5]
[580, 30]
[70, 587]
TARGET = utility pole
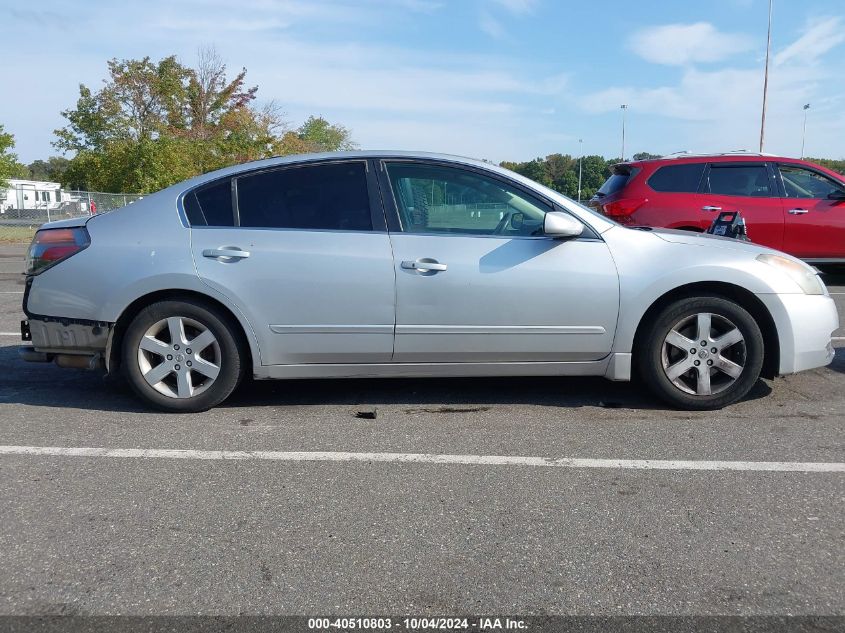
[804, 132]
[580, 160]
[624, 107]
[766, 79]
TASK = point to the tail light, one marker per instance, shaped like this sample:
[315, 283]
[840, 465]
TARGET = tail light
[50, 246]
[621, 210]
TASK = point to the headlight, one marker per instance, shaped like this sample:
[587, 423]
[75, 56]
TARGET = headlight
[800, 273]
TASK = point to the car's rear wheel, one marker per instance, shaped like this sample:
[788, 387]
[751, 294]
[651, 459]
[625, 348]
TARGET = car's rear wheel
[182, 356]
[701, 353]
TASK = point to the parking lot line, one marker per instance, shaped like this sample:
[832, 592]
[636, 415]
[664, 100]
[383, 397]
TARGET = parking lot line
[426, 458]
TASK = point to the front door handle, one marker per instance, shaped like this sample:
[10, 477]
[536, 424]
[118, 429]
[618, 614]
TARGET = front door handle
[228, 252]
[709, 208]
[798, 211]
[424, 265]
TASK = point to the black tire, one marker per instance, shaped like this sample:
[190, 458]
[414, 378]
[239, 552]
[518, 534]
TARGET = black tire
[649, 356]
[227, 348]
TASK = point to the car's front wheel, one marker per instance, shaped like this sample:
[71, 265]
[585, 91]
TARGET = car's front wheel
[182, 356]
[701, 353]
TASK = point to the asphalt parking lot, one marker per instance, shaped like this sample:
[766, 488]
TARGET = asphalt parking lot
[203, 532]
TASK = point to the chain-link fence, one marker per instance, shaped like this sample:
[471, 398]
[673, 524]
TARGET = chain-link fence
[26, 206]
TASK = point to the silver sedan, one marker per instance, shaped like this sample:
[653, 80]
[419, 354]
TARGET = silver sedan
[396, 264]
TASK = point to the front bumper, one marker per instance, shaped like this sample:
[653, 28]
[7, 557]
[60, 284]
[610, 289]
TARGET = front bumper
[805, 325]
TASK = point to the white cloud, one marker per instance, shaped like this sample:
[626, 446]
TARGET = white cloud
[683, 44]
[517, 6]
[490, 25]
[820, 36]
[720, 109]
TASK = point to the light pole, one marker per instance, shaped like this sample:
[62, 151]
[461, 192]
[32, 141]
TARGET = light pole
[580, 159]
[624, 107]
[766, 79]
[804, 132]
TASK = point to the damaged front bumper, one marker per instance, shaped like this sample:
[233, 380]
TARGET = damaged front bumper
[74, 343]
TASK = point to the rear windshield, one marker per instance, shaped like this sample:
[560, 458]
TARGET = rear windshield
[621, 175]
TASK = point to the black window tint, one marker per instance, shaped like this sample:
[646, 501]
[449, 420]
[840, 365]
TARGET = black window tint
[677, 178]
[621, 176]
[211, 205]
[330, 197]
[739, 180]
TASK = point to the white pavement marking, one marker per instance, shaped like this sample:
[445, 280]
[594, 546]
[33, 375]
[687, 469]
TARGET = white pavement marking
[10, 333]
[11, 292]
[426, 458]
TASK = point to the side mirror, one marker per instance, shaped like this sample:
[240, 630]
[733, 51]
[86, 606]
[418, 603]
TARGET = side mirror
[557, 224]
[836, 195]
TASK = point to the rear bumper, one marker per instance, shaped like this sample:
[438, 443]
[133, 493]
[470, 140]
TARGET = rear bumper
[805, 325]
[68, 342]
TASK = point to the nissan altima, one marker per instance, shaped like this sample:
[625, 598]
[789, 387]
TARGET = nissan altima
[398, 264]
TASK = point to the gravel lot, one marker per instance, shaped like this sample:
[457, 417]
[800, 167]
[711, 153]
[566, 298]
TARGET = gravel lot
[141, 535]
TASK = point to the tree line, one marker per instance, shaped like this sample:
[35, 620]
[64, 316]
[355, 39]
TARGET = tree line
[156, 123]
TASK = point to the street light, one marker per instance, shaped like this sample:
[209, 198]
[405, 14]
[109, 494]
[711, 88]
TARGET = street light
[580, 159]
[624, 107]
[766, 79]
[804, 133]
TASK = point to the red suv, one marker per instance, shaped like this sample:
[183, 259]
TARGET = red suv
[788, 204]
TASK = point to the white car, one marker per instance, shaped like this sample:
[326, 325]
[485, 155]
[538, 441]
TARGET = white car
[404, 264]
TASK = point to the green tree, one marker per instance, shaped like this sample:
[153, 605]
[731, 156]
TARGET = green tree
[156, 123]
[52, 169]
[322, 136]
[836, 165]
[645, 156]
[9, 165]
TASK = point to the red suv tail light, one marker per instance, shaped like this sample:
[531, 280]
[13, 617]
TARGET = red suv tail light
[621, 210]
[50, 246]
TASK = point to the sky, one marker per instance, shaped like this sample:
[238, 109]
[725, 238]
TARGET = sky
[493, 79]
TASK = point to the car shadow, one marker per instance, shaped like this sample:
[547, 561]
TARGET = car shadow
[44, 385]
[838, 364]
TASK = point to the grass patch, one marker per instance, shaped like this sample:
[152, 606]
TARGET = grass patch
[17, 234]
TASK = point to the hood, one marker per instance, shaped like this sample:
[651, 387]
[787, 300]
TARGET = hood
[710, 241]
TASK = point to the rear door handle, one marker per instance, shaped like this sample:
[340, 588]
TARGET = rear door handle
[709, 208]
[230, 252]
[424, 265]
[798, 211]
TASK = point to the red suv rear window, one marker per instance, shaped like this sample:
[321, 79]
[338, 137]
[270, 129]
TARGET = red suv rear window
[620, 177]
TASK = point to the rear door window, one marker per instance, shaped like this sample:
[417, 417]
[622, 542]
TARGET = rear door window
[684, 178]
[749, 180]
[331, 196]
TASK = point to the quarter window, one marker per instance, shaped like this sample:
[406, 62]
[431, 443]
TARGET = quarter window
[330, 196]
[435, 199]
[804, 183]
[739, 180]
[683, 178]
[210, 205]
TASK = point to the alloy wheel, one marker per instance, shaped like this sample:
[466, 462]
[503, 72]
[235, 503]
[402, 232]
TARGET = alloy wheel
[179, 357]
[703, 354]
